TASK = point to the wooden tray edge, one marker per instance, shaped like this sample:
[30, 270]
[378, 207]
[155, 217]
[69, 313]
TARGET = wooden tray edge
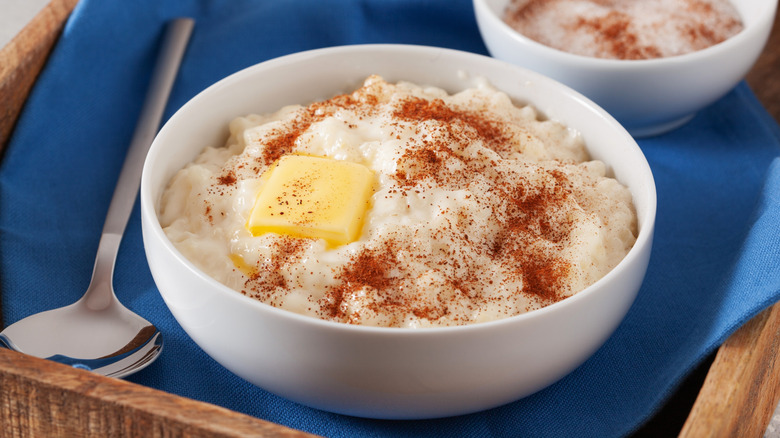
[23, 58]
[43, 398]
[741, 390]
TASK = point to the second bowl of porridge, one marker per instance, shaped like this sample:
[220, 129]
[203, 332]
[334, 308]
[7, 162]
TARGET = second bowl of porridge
[651, 64]
[396, 231]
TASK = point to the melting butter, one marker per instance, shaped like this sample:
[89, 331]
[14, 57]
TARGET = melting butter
[313, 197]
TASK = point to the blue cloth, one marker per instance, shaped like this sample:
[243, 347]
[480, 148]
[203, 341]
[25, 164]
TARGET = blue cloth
[714, 264]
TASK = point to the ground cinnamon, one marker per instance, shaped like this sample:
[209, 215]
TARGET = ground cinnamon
[527, 215]
[625, 29]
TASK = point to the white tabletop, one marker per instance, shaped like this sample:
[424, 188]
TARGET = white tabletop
[14, 14]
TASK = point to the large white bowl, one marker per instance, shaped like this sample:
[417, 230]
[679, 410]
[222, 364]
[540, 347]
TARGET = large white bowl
[648, 97]
[388, 372]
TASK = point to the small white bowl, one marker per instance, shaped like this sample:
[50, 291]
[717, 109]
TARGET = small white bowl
[389, 372]
[648, 97]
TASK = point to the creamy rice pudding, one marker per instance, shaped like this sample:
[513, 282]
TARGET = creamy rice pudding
[625, 29]
[401, 206]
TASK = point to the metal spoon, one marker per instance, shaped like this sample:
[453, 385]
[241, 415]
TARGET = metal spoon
[97, 332]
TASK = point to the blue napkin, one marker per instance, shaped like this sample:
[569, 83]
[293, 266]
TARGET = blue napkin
[714, 263]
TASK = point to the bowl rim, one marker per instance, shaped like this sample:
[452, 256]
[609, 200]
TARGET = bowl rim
[149, 206]
[762, 24]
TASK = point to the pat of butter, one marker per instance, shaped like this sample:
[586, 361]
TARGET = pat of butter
[315, 197]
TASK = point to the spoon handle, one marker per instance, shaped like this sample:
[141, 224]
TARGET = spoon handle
[175, 39]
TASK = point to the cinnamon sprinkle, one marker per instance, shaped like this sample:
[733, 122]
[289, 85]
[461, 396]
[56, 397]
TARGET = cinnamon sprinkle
[266, 277]
[227, 179]
[526, 205]
[529, 214]
[368, 269]
[625, 29]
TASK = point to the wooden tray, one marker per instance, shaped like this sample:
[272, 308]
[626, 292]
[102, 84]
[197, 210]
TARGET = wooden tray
[41, 398]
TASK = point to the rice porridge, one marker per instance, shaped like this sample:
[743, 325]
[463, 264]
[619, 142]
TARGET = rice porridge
[402, 206]
[625, 29]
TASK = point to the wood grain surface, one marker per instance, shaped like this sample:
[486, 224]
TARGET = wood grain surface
[742, 387]
[764, 78]
[23, 58]
[39, 398]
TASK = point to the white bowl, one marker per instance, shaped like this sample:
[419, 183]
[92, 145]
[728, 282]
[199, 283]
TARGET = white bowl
[389, 372]
[648, 97]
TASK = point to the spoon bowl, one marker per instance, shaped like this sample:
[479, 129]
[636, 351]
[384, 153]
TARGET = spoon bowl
[97, 332]
[119, 341]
